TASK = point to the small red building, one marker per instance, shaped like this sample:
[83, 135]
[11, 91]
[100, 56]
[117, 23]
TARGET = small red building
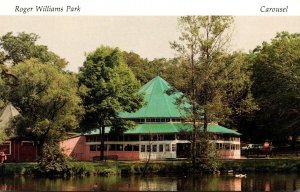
[15, 149]
[19, 150]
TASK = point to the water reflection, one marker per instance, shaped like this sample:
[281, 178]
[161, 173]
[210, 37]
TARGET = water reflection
[253, 182]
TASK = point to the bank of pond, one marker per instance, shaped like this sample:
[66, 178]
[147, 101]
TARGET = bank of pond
[108, 168]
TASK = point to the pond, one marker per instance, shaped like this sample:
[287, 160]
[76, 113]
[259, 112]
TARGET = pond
[253, 182]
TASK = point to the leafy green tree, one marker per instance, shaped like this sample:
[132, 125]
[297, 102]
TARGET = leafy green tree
[15, 49]
[2, 91]
[237, 92]
[145, 69]
[110, 87]
[276, 85]
[201, 46]
[3, 96]
[213, 80]
[137, 65]
[50, 106]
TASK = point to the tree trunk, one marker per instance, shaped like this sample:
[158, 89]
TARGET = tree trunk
[294, 140]
[205, 123]
[102, 136]
[40, 146]
[194, 143]
[194, 111]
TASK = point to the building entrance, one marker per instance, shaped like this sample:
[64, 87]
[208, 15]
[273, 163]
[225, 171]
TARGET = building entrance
[183, 150]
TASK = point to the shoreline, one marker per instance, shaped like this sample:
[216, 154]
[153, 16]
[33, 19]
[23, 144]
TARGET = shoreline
[107, 168]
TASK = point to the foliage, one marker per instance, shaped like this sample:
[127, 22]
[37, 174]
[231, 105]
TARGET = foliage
[200, 48]
[18, 168]
[138, 66]
[276, 86]
[49, 104]
[261, 165]
[216, 83]
[21, 47]
[3, 92]
[207, 156]
[52, 161]
[4, 89]
[145, 70]
[3, 136]
[109, 88]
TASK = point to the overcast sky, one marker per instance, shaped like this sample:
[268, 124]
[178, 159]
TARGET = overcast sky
[72, 36]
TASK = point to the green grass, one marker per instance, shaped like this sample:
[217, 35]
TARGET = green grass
[262, 165]
[17, 168]
[108, 168]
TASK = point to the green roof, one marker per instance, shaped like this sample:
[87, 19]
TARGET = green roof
[168, 128]
[158, 102]
[158, 128]
[214, 128]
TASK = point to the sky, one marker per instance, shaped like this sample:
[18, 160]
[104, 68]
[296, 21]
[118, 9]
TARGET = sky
[71, 37]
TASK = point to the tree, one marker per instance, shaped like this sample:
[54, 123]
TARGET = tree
[237, 93]
[110, 87]
[209, 75]
[137, 65]
[15, 49]
[50, 106]
[200, 46]
[145, 70]
[276, 85]
[3, 97]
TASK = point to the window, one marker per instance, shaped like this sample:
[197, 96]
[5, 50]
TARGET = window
[119, 147]
[6, 148]
[167, 147]
[173, 147]
[175, 120]
[154, 148]
[128, 147]
[143, 148]
[161, 148]
[116, 147]
[93, 147]
[92, 138]
[160, 137]
[97, 147]
[131, 137]
[145, 138]
[221, 146]
[169, 137]
[148, 148]
[217, 146]
[136, 147]
[227, 146]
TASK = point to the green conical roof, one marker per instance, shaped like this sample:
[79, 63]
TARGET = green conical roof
[158, 102]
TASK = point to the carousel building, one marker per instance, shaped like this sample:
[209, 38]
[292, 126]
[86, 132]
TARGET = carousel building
[160, 132]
